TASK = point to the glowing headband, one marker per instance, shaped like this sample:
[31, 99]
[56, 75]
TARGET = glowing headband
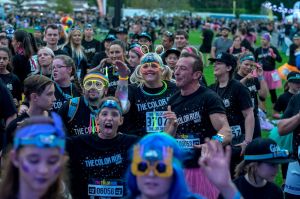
[98, 76]
[111, 104]
[249, 57]
[42, 135]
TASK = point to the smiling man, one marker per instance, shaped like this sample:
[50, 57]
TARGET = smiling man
[200, 114]
[79, 114]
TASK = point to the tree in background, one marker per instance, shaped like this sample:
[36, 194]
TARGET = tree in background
[65, 6]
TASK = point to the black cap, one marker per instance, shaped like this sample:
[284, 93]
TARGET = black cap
[266, 150]
[121, 30]
[172, 50]
[226, 58]
[293, 77]
[146, 35]
[110, 37]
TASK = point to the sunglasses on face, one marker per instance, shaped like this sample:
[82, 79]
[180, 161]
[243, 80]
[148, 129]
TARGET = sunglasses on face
[160, 169]
[97, 84]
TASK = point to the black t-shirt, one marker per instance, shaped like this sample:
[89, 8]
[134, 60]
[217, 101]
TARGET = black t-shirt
[11, 128]
[63, 94]
[253, 86]
[21, 67]
[90, 48]
[194, 124]
[60, 52]
[97, 166]
[292, 109]
[82, 118]
[262, 55]
[146, 111]
[7, 109]
[292, 57]
[208, 36]
[269, 191]
[13, 84]
[236, 98]
[282, 102]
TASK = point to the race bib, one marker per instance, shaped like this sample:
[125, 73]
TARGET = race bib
[236, 131]
[275, 76]
[155, 121]
[106, 189]
[187, 141]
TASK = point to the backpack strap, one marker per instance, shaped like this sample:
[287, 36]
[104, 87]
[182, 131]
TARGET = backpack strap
[73, 107]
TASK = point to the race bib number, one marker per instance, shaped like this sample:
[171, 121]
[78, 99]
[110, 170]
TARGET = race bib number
[275, 76]
[155, 121]
[187, 141]
[236, 131]
[105, 189]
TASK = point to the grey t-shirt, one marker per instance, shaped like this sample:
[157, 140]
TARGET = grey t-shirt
[222, 45]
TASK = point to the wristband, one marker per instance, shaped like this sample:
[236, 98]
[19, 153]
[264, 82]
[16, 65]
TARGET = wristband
[237, 195]
[123, 78]
[218, 137]
[260, 78]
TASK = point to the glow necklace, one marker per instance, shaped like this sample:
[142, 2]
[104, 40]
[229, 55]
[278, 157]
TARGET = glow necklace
[165, 87]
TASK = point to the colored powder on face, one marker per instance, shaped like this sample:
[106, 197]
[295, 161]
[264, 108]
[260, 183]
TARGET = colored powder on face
[25, 167]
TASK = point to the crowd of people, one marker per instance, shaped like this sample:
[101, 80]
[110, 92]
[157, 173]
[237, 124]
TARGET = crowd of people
[129, 118]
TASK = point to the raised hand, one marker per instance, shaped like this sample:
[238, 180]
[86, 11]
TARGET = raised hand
[122, 68]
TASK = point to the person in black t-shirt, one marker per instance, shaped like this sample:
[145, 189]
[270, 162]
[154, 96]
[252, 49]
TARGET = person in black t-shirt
[293, 87]
[267, 56]
[117, 51]
[237, 101]
[98, 162]
[251, 75]
[91, 45]
[294, 50]
[39, 92]
[290, 123]
[147, 96]
[236, 49]
[8, 111]
[11, 81]
[200, 114]
[79, 113]
[75, 50]
[256, 173]
[23, 52]
[44, 58]
[63, 70]
[52, 37]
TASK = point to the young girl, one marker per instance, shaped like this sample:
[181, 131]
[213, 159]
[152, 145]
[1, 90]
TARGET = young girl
[35, 164]
[256, 173]
[22, 62]
[11, 81]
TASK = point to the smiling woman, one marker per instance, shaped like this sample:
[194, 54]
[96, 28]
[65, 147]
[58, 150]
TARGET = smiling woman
[148, 95]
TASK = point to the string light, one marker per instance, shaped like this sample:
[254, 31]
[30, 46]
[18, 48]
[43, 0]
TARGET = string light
[276, 8]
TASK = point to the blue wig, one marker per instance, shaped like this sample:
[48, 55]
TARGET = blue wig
[156, 141]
